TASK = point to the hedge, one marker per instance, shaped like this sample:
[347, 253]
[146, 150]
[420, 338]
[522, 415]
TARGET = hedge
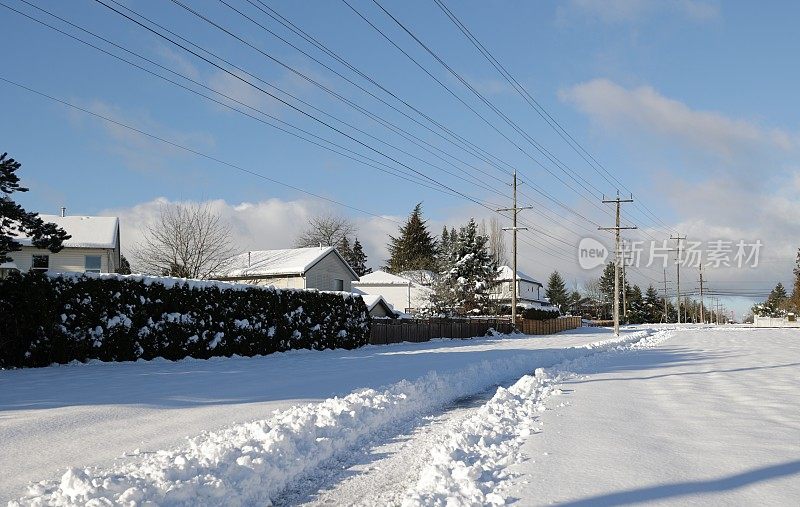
[540, 313]
[59, 318]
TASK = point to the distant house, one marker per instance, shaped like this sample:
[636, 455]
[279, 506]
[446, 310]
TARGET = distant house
[402, 293]
[529, 290]
[320, 268]
[93, 248]
[376, 305]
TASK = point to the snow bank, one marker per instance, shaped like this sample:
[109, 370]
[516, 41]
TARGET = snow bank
[252, 463]
[469, 465]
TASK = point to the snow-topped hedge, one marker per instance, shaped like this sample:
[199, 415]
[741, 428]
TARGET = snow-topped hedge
[61, 318]
[540, 313]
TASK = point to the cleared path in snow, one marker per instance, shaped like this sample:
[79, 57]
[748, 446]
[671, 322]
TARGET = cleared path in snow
[77, 416]
[710, 417]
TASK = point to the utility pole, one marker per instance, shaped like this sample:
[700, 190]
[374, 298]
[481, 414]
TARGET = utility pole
[616, 230]
[514, 285]
[702, 310]
[624, 291]
[678, 280]
[666, 310]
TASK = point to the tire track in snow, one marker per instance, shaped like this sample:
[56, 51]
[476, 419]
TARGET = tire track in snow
[254, 463]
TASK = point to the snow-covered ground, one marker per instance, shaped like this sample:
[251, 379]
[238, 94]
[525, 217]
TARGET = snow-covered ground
[659, 415]
[710, 417]
[91, 415]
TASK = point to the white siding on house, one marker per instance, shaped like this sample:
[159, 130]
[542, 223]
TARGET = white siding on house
[326, 271]
[398, 295]
[68, 260]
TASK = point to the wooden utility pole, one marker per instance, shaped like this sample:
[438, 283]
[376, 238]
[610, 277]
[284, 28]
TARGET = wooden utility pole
[678, 280]
[702, 310]
[514, 285]
[616, 230]
[624, 292]
[666, 310]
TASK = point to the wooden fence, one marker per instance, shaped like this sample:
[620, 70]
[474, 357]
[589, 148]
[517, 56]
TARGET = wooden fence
[422, 330]
[549, 326]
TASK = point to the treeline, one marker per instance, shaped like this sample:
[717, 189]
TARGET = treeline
[596, 301]
[780, 302]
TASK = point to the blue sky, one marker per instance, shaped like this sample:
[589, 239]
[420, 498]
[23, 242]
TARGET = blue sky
[689, 103]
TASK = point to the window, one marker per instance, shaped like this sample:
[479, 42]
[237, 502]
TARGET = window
[92, 264]
[40, 263]
[338, 284]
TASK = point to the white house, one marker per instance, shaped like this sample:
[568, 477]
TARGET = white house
[529, 290]
[320, 268]
[376, 305]
[94, 247]
[402, 293]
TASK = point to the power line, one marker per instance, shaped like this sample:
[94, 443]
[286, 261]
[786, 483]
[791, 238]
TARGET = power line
[191, 150]
[348, 153]
[279, 99]
[540, 110]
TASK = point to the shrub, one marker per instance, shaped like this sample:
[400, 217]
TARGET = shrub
[540, 313]
[59, 318]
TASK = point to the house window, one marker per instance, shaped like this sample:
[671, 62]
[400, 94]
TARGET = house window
[40, 263]
[92, 264]
[338, 284]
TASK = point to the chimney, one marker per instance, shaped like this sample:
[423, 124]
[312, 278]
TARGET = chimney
[63, 211]
[248, 259]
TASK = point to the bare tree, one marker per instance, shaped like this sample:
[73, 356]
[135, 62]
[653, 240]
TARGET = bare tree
[185, 240]
[497, 241]
[326, 230]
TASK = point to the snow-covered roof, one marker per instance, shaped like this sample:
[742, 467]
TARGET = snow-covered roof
[382, 278]
[504, 273]
[372, 299]
[421, 276]
[86, 231]
[289, 261]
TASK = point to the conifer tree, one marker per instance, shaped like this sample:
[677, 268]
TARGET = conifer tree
[654, 305]
[636, 307]
[414, 248]
[607, 290]
[556, 292]
[15, 221]
[358, 259]
[465, 285]
[345, 250]
[794, 300]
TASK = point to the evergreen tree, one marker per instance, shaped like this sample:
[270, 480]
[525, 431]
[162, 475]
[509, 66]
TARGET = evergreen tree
[654, 305]
[15, 221]
[607, 290]
[414, 248]
[776, 304]
[637, 313]
[467, 281]
[444, 249]
[358, 259]
[557, 292]
[345, 250]
[794, 300]
[124, 266]
[576, 303]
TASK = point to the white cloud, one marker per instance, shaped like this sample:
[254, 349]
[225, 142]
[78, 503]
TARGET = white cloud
[643, 109]
[709, 179]
[628, 11]
[273, 223]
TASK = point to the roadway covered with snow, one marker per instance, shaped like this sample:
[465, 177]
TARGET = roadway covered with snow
[693, 415]
[710, 417]
[91, 415]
